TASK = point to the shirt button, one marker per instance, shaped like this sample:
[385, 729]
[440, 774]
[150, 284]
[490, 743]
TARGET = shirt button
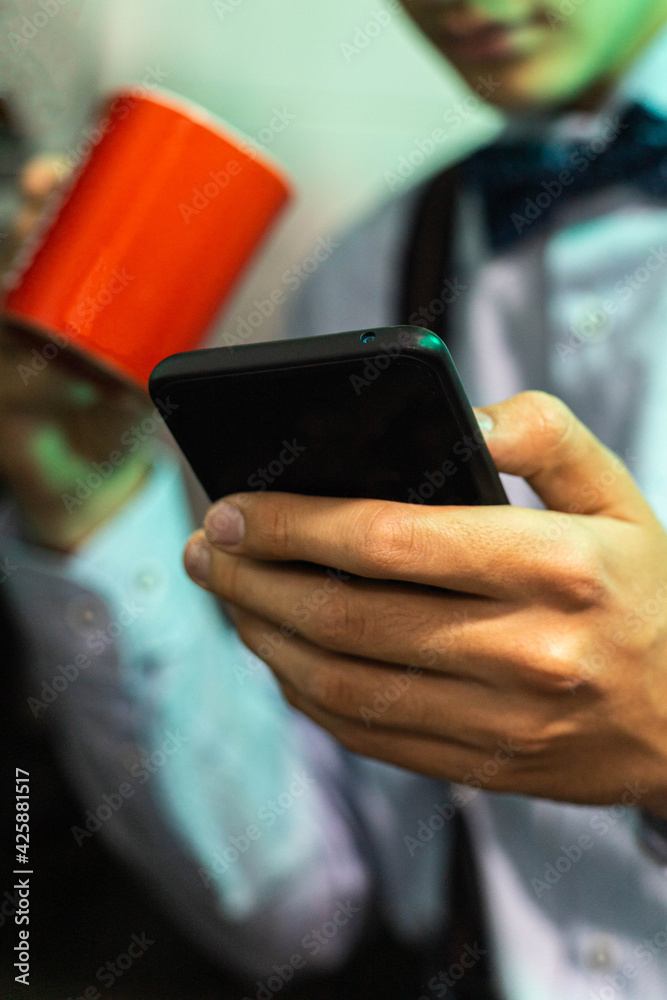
[130, 755]
[600, 955]
[149, 577]
[85, 615]
[591, 323]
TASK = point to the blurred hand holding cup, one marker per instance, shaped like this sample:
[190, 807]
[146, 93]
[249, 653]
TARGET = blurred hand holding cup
[135, 253]
[149, 237]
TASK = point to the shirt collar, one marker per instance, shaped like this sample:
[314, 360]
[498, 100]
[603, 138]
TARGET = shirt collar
[646, 81]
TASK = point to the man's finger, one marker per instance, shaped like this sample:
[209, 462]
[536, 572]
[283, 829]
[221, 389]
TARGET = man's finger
[427, 755]
[42, 175]
[389, 696]
[537, 437]
[498, 645]
[393, 623]
[499, 552]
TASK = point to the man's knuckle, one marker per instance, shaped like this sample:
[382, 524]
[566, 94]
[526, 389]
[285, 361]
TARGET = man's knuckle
[589, 589]
[340, 623]
[586, 578]
[386, 541]
[332, 691]
[227, 577]
[557, 668]
[530, 736]
[553, 420]
[275, 528]
[574, 570]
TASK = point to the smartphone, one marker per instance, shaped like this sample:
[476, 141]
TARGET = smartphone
[369, 413]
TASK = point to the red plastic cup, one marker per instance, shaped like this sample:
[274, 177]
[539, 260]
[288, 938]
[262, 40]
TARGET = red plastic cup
[149, 238]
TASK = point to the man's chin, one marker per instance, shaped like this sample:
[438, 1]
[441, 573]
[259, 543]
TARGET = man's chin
[521, 86]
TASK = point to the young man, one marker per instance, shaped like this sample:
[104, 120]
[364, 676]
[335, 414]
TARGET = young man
[547, 674]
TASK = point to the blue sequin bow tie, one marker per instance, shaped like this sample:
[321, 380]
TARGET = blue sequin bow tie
[523, 183]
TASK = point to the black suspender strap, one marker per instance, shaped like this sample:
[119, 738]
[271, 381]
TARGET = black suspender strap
[464, 961]
[427, 269]
[428, 261]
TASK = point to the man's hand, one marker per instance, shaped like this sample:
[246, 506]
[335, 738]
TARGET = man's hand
[444, 631]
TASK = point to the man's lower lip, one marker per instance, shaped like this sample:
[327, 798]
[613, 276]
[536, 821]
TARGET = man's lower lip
[492, 43]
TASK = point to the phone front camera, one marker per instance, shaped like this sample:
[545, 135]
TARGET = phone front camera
[367, 337]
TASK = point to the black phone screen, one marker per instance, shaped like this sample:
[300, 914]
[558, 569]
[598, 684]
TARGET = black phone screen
[330, 430]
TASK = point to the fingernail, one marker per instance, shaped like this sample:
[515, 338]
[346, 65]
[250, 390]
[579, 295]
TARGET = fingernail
[197, 561]
[484, 421]
[224, 524]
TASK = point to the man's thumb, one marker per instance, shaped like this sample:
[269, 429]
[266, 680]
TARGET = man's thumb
[536, 436]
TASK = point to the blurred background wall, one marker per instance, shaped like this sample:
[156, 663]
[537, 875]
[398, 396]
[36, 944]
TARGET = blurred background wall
[353, 89]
